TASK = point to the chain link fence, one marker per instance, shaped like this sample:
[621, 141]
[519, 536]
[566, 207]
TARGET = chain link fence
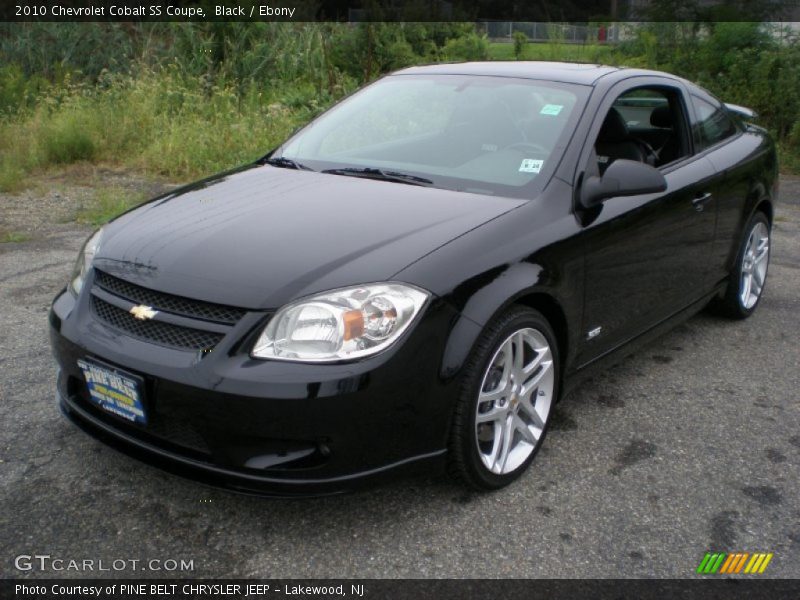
[552, 32]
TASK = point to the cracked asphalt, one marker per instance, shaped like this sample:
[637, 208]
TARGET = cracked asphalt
[691, 445]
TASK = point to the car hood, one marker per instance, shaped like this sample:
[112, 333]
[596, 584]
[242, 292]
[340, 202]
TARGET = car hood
[262, 236]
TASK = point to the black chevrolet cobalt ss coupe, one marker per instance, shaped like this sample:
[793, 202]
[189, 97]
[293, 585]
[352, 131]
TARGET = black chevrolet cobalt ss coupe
[416, 277]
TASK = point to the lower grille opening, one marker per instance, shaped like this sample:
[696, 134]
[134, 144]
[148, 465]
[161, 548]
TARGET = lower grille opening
[161, 430]
[172, 433]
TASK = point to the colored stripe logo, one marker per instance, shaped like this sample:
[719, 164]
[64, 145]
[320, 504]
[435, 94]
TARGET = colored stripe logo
[734, 563]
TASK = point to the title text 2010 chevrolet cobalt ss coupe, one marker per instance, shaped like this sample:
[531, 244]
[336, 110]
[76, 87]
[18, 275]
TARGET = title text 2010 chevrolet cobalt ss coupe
[415, 277]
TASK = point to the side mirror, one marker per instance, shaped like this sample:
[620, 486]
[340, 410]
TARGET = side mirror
[621, 178]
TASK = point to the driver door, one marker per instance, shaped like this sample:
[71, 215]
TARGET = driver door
[647, 256]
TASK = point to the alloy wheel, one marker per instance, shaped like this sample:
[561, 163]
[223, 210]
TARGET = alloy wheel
[515, 400]
[754, 265]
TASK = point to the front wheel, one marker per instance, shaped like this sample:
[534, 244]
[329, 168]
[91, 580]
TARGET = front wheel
[507, 395]
[749, 275]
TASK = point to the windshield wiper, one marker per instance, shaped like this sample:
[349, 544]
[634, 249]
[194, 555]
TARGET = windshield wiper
[286, 163]
[373, 173]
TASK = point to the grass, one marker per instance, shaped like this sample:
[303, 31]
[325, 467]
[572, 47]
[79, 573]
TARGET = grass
[594, 53]
[13, 237]
[12, 176]
[107, 203]
[157, 123]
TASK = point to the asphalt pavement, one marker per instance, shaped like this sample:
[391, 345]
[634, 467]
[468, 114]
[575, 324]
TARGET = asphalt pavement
[692, 445]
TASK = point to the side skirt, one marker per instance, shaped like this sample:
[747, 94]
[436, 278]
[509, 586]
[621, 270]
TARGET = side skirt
[625, 349]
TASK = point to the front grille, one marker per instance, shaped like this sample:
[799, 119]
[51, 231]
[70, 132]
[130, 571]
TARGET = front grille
[158, 332]
[178, 305]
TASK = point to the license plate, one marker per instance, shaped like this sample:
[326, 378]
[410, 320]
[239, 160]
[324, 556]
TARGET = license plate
[115, 391]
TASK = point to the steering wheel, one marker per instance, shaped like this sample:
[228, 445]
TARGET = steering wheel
[537, 148]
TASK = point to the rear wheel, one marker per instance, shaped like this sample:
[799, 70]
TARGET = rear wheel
[507, 394]
[749, 275]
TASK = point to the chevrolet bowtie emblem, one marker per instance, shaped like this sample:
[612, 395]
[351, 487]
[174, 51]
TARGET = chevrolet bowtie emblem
[143, 312]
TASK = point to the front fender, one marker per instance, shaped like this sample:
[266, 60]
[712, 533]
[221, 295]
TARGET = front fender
[530, 253]
[490, 294]
[494, 300]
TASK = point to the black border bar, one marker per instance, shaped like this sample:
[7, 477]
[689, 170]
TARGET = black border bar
[594, 11]
[706, 588]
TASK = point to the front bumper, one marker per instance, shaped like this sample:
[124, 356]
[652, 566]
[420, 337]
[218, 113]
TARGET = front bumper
[267, 427]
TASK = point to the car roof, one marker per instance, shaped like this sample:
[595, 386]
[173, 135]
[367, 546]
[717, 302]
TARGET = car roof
[565, 72]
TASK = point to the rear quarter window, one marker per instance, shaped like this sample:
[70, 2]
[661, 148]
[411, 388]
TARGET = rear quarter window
[713, 123]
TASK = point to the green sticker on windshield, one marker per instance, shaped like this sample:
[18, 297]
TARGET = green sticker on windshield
[551, 109]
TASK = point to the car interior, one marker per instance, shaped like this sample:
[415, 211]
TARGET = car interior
[645, 125]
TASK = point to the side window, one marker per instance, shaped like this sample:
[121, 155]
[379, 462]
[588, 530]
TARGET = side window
[645, 124]
[713, 123]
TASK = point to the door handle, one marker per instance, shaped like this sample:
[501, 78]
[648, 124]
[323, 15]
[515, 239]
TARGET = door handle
[700, 201]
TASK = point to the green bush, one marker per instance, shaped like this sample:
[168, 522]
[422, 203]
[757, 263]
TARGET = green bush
[400, 54]
[53, 50]
[467, 47]
[723, 48]
[18, 91]
[369, 49]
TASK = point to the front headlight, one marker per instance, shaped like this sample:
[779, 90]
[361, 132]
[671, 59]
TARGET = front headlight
[342, 324]
[85, 258]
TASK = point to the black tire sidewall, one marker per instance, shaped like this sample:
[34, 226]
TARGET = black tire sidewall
[468, 461]
[733, 298]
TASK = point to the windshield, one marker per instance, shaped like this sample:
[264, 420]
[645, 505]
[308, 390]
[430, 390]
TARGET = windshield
[489, 135]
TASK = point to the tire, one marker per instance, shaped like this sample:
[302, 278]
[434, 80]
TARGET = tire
[491, 453]
[748, 272]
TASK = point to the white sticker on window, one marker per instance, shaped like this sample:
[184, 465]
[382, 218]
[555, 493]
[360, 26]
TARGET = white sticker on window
[551, 109]
[530, 165]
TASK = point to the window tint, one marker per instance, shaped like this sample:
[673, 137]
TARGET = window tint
[637, 106]
[470, 133]
[645, 124]
[713, 123]
[410, 111]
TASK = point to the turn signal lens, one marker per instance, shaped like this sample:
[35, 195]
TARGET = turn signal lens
[353, 324]
[342, 324]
